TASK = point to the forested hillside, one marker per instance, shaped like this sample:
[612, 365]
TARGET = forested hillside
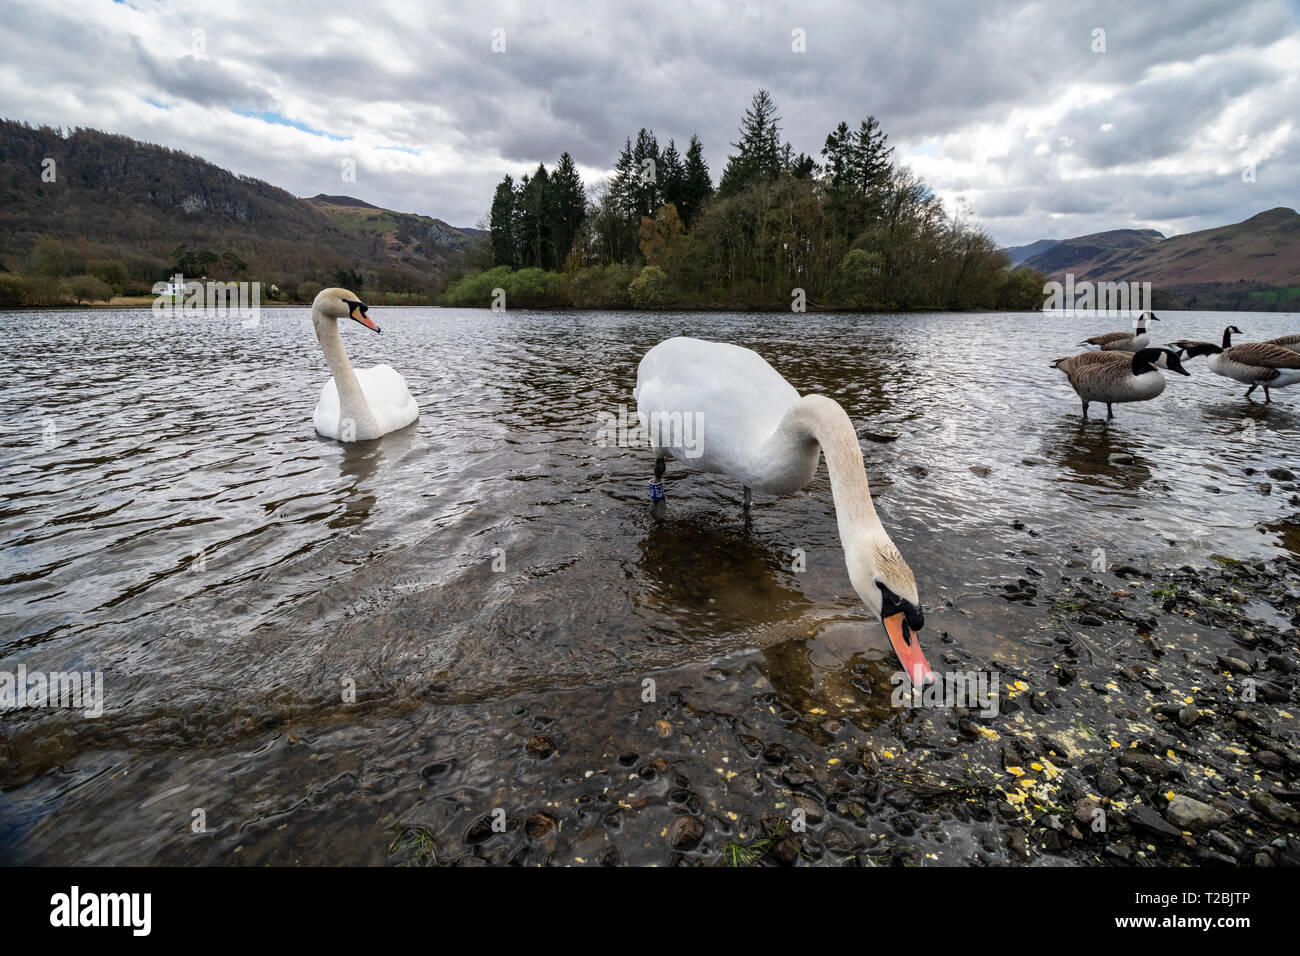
[86, 214]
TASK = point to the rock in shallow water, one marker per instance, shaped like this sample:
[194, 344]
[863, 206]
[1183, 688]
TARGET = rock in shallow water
[540, 824]
[541, 746]
[684, 832]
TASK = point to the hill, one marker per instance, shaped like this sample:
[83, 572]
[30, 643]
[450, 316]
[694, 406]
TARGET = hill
[121, 210]
[1249, 265]
[1020, 254]
[1091, 254]
[407, 238]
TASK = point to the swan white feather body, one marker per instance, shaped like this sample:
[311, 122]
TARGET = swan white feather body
[385, 392]
[739, 402]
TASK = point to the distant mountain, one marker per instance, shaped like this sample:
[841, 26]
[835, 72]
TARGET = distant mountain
[1019, 254]
[1091, 253]
[111, 198]
[1249, 265]
[407, 237]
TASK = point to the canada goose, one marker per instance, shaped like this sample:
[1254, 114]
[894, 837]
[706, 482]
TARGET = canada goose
[1114, 377]
[1123, 341]
[355, 405]
[1269, 364]
[754, 426]
[1291, 342]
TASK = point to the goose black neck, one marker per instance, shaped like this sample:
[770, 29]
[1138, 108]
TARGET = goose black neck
[1142, 361]
[1227, 337]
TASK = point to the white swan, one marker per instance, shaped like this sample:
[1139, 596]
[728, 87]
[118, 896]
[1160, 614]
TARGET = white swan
[355, 405]
[726, 410]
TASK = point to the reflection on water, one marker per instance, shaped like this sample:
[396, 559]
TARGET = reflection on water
[168, 516]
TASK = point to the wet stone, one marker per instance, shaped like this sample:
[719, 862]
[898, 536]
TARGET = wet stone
[812, 809]
[540, 746]
[775, 754]
[796, 778]
[1147, 764]
[1018, 844]
[540, 824]
[1273, 808]
[1085, 812]
[684, 832]
[1234, 664]
[1144, 818]
[1224, 844]
[786, 852]
[1187, 813]
[837, 841]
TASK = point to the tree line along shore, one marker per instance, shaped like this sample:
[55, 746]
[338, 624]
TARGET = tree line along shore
[849, 228]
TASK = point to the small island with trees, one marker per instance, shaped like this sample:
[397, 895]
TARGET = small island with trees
[852, 230]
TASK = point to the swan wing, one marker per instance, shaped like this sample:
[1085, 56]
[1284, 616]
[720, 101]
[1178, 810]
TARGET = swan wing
[326, 416]
[388, 397]
[727, 399]
[386, 394]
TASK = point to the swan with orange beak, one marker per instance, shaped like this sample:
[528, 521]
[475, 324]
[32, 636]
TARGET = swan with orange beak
[355, 404]
[748, 422]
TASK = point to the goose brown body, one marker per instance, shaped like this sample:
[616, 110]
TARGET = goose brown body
[1118, 377]
[1269, 364]
[1130, 342]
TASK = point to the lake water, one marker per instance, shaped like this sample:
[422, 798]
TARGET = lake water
[168, 518]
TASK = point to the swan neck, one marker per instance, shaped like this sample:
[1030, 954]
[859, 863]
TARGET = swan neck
[352, 400]
[825, 421]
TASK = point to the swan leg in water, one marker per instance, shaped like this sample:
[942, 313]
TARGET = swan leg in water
[1251, 389]
[657, 486]
[749, 497]
[1110, 412]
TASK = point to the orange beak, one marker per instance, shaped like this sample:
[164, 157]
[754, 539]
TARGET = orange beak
[361, 317]
[908, 649]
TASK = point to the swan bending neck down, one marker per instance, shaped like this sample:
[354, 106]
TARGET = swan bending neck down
[754, 426]
[355, 406]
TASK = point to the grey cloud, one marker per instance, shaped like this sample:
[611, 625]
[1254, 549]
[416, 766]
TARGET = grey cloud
[201, 80]
[582, 76]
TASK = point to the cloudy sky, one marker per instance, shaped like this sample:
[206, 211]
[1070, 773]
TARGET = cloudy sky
[1041, 119]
